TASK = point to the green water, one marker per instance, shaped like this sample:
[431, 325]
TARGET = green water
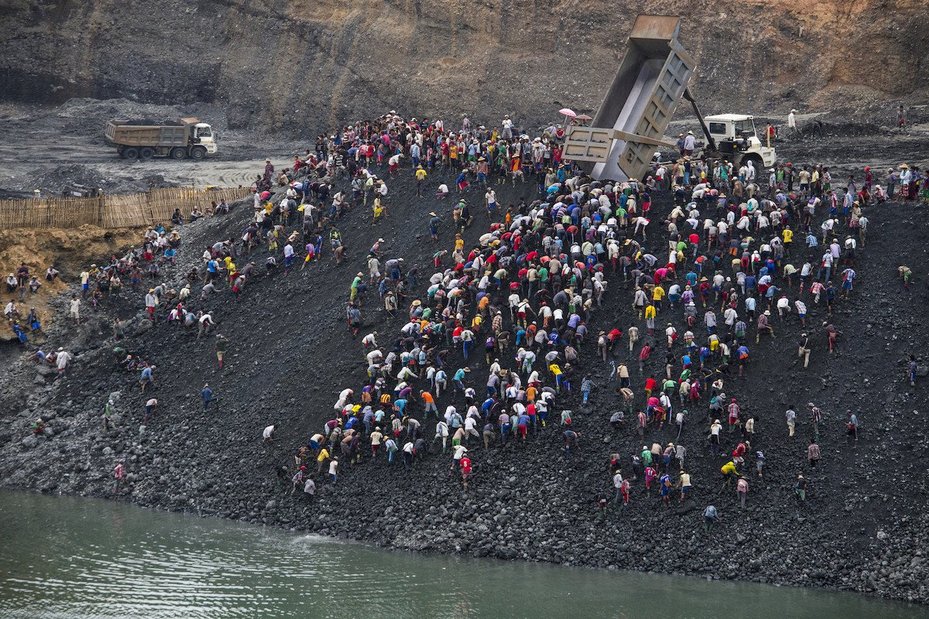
[65, 558]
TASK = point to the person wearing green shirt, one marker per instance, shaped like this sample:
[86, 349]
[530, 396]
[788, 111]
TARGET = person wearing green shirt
[221, 342]
[669, 386]
[356, 287]
[107, 414]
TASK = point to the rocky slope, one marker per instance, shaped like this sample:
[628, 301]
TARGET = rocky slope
[291, 354]
[275, 64]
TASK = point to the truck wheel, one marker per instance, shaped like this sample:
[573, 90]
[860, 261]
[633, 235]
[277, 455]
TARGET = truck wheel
[131, 153]
[122, 153]
[146, 153]
[178, 153]
[756, 162]
[197, 152]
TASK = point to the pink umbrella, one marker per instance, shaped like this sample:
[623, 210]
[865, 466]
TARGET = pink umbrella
[567, 113]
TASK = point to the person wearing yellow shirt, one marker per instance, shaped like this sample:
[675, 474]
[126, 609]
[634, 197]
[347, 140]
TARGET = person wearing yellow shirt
[321, 460]
[788, 235]
[658, 295]
[420, 177]
[650, 314]
[555, 370]
[729, 471]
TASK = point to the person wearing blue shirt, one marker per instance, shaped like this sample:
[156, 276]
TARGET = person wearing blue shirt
[207, 394]
[146, 378]
[742, 356]
[459, 378]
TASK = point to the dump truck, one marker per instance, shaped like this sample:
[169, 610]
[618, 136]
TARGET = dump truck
[144, 139]
[651, 80]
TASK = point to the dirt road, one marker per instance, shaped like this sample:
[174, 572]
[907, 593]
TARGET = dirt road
[59, 149]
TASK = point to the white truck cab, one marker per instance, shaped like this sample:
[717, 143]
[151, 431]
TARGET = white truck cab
[203, 134]
[736, 133]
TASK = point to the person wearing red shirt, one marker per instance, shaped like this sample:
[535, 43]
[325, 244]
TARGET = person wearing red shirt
[644, 354]
[650, 385]
[738, 452]
[465, 464]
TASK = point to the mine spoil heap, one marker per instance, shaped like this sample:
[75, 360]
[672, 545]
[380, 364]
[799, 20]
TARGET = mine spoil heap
[290, 355]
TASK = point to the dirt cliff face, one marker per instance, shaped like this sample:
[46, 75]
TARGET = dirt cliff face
[275, 62]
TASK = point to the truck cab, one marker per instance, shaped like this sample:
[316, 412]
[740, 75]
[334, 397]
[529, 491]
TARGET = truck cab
[203, 135]
[736, 137]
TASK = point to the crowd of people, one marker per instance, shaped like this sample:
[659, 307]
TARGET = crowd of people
[740, 253]
[731, 273]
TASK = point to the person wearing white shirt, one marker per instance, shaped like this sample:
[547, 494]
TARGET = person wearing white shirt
[268, 434]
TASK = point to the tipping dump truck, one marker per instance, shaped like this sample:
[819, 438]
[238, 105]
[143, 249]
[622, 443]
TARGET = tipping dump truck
[637, 109]
[144, 139]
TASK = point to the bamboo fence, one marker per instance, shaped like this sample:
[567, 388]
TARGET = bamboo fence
[116, 211]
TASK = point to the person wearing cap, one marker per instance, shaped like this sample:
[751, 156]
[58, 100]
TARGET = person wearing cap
[741, 489]
[464, 464]
[62, 360]
[800, 487]
[150, 302]
[689, 144]
[357, 287]
[208, 397]
[507, 132]
[764, 326]
[803, 351]
[715, 429]
[792, 122]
